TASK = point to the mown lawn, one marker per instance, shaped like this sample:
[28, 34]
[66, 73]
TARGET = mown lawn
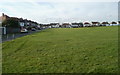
[63, 50]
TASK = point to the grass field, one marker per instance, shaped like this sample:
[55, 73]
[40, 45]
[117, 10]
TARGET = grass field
[63, 50]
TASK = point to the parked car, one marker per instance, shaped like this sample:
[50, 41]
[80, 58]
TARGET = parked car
[33, 29]
[24, 31]
[39, 28]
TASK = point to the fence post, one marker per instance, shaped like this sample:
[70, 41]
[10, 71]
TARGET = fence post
[13, 36]
[7, 36]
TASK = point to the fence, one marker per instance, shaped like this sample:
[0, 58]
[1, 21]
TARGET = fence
[12, 30]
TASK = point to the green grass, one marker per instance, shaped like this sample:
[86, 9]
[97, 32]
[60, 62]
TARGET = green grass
[63, 50]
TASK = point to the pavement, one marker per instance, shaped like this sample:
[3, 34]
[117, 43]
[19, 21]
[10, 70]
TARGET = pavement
[14, 36]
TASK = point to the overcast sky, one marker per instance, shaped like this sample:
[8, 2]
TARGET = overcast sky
[46, 11]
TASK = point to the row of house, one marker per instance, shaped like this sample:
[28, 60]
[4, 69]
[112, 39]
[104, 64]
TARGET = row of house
[77, 25]
[24, 23]
[28, 24]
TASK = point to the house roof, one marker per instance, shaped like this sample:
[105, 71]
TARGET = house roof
[54, 23]
[113, 22]
[15, 18]
[19, 19]
[86, 23]
[65, 24]
[3, 15]
[76, 23]
[46, 25]
[105, 23]
[95, 22]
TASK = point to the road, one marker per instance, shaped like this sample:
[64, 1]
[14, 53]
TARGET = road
[14, 36]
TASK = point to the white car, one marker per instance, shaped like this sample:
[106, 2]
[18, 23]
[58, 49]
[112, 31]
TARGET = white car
[24, 31]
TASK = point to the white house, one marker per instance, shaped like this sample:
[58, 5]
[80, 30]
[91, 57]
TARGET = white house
[114, 23]
[66, 25]
[76, 25]
[87, 24]
[54, 25]
[105, 24]
[3, 30]
[95, 23]
[22, 24]
[46, 26]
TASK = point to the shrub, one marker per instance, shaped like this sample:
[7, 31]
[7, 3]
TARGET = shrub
[11, 23]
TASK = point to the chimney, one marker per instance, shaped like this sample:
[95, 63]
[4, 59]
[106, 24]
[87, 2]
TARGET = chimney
[2, 14]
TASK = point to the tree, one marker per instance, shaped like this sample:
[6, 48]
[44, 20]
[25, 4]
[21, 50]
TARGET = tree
[119, 22]
[81, 24]
[11, 23]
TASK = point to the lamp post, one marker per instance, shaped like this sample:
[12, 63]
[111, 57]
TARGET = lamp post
[5, 29]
